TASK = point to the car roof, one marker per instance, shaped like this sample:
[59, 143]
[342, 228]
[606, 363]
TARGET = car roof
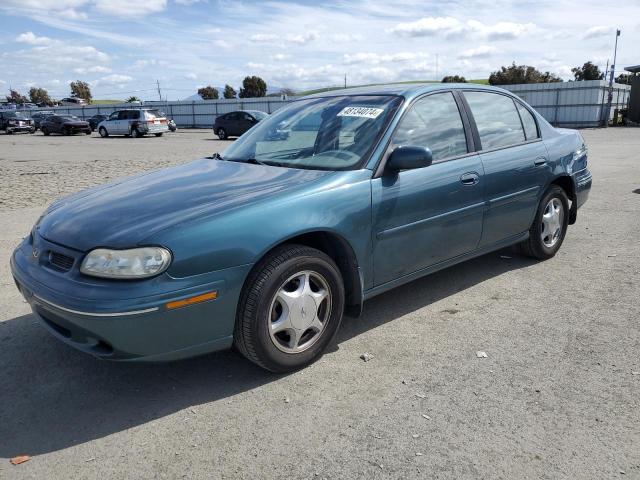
[408, 90]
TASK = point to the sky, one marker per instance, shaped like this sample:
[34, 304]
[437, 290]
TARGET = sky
[123, 47]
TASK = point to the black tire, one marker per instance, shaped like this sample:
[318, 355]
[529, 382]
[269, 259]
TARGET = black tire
[251, 335]
[66, 131]
[222, 134]
[88, 132]
[158, 134]
[103, 132]
[45, 132]
[534, 245]
[135, 133]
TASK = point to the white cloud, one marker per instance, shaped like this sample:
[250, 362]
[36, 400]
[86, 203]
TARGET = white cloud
[113, 79]
[280, 56]
[501, 30]
[94, 69]
[222, 44]
[375, 58]
[191, 76]
[429, 26]
[32, 39]
[450, 26]
[187, 2]
[127, 8]
[482, 51]
[598, 31]
[298, 39]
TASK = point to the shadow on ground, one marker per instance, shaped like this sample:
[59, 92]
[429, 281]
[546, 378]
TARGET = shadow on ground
[53, 397]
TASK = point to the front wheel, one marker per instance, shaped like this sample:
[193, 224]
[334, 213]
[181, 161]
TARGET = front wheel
[103, 132]
[45, 132]
[550, 225]
[158, 134]
[290, 308]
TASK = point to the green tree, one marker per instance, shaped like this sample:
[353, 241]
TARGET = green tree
[588, 71]
[515, 74]
[229, 92]
[80, 89]
[15, 97]
[40, 96]
[253, 87]
[132, 99]
[624, 78]
[454, 79]
[208, 93]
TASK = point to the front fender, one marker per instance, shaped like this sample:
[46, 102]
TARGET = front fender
[340, 204]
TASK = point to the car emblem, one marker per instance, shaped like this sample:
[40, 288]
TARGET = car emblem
[304, 314]
[35, 252]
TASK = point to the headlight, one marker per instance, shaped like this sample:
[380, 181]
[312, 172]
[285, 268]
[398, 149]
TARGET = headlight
[135, 263]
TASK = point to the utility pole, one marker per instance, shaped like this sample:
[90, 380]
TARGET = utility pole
[345, 80]
[611, 77]
[159, 94]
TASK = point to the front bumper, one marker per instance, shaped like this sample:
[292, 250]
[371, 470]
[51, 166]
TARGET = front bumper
[19, 128]
[130, 320]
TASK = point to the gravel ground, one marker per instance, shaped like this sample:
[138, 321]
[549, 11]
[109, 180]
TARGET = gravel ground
[557, 397]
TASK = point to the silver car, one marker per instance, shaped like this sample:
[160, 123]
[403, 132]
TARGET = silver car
[134, 123]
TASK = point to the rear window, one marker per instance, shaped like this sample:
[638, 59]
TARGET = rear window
[151, 114]
[528, 122]
[497, 119]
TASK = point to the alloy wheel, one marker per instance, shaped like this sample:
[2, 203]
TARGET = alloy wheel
[552, 221]
[299, 311]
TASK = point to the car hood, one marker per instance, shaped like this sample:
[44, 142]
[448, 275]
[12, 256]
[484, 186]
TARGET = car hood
[76, 123]
[123, 214]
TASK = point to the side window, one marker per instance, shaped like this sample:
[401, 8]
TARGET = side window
[246, 116]
[497, 119]
[433, 122]
[114, 116]
[231, 117]
[122, 115]
[529, 123]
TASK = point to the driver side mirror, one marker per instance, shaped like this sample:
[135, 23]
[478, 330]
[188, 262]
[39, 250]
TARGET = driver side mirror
[408, 157]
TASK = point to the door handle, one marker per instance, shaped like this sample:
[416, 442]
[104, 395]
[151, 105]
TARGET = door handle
[540, 161]
[470, 178]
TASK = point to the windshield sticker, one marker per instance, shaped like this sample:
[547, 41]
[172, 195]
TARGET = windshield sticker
[364, 112]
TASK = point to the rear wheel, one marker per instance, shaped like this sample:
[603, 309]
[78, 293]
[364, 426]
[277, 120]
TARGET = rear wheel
[158, 134]
[135, 133]
[222, 134]
[550, 225]
[45, 131]
[290, 308]
[103, 132]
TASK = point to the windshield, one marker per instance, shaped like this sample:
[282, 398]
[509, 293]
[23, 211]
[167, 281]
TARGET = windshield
[334, 133]
[258, 114]
[69, 118]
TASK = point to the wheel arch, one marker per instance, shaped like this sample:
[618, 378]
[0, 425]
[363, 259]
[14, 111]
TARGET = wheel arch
[340, 250]
[566, 183]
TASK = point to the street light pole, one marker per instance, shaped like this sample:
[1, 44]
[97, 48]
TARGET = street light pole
[611, 77]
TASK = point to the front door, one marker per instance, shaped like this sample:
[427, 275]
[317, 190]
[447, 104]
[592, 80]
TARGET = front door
[515, 164]
[425, 216]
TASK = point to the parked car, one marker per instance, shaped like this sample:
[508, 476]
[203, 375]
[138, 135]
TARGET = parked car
[39, 116]
[65, 125]
[234, 124]
[12, 121]
[135, 123]
[268, 245]
[73, 102]
[95, 120]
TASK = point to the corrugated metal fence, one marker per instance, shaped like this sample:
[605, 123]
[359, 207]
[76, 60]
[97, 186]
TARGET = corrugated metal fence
[573, 104]
[567, 104]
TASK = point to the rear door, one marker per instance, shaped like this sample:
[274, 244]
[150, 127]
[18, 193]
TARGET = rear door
[245, 122]
[425, 216]
[515, 163]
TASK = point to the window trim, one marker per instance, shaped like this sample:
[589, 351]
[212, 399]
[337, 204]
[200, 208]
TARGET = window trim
[466, 125]
[535, 120]
[474, 126]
